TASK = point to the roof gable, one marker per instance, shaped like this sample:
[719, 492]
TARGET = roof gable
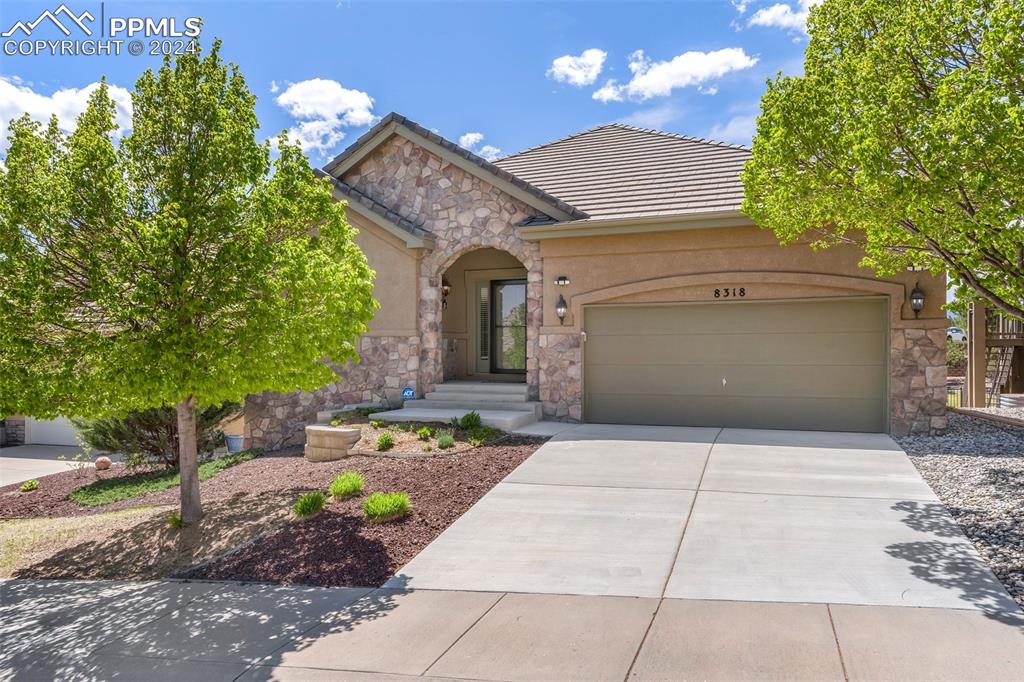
[396, 124]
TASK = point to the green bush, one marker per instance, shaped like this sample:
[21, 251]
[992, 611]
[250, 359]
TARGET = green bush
[483, 434]
[346, 485]
[425, 432]
[446, 440]
[108, 490]
[367, 411]
[174, 520]
[381, 507]
[404, 427]
[154, 433]
[956, 354]
[377, 423]
[29, 486]
[385, 442]
[309, 504]
[470, 420]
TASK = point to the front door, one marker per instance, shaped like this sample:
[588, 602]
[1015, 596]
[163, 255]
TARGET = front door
[508, 326]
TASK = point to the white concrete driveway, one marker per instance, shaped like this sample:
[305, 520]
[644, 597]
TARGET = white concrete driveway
[713, 514]
[24, 462]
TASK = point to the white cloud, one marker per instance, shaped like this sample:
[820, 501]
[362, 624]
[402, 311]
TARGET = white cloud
[274, 87]
[471, 140]
[578, 70]
[740, 5]
[739, 129]
[323, 107]
[611, 91]
[18, 98]
[658, 79]
[792, 17]
[655, 117]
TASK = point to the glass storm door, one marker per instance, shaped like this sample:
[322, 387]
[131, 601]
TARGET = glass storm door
[508, 325]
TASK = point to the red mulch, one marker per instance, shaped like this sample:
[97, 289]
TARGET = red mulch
[337, 547]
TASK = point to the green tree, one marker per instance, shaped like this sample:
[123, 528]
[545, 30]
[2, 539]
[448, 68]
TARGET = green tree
[180, 266]
[905, 135]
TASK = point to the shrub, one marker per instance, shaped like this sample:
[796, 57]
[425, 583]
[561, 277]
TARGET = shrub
[404, 427]
[425, 433]
[154, 433]
[29, 486]
[380, 507]
[174, 520]
[956, 355]
[445, 440]
[376, 423]
[309, 504]
[427, 448]
[483, 434]
[346, 485]
[470, 420]
[367, 411]
[385, 441]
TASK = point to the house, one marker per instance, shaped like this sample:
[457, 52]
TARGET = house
[612, 275]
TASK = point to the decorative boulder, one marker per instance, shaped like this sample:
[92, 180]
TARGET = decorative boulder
[102, 463]
[328, 443]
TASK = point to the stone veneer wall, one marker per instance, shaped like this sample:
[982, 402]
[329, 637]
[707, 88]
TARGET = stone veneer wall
[561, 377]
[464, 213]
[917, 381]
[387, 364]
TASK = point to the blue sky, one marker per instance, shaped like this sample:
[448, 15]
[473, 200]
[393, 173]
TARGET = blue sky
[516, 74]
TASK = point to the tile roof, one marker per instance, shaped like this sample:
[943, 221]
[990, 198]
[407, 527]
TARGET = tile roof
[618, 171]
[478, 161]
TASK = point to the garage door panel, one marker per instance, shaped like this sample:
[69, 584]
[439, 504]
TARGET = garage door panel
[785, 318]
[765, 381]
[739, 412]
[851, 348]
[793, 365]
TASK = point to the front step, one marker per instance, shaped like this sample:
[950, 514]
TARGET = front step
[506, 420]
[478, 396]
[480, 387]
[478, 405]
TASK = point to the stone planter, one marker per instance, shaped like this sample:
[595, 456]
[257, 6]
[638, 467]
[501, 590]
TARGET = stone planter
[328, 443]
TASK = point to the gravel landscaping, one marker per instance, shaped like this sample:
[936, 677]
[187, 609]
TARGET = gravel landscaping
[47, 535]
[977, 470]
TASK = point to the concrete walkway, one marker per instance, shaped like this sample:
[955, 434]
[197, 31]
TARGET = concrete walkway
[24, 462]
[613, 553]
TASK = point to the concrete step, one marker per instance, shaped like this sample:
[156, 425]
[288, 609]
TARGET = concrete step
[506, 420]
[480, 387]
[479, 406]
[477, 396]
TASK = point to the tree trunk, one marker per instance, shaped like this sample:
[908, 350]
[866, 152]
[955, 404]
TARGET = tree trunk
[188, 461]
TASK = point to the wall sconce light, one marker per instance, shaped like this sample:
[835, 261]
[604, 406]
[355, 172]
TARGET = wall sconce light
[446, 288]
[561, 308]
[561, 280]
[917, 300]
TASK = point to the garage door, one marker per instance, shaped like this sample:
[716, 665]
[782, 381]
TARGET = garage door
[812, 365]
[59, 431]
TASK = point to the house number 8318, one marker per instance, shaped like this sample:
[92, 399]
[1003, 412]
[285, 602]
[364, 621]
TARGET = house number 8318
[731, 292]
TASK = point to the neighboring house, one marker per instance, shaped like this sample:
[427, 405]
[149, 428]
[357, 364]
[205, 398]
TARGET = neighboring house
[21, 430]
[678, 309]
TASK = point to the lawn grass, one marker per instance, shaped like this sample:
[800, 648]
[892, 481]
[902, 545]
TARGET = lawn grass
[381, 507]
[111, 490]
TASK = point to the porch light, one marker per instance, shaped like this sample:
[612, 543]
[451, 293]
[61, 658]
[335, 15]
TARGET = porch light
[561, 280]
[917, 299]
[446, 288]
[561, 308]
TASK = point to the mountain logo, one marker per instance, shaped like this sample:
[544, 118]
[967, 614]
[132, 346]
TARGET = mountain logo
[76, 20]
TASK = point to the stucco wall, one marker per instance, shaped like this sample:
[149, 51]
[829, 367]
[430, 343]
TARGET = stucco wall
[395, 284]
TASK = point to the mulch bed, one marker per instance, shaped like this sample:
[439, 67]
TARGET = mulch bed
[337, 547]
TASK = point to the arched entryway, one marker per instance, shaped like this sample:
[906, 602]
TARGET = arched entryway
[480, 315]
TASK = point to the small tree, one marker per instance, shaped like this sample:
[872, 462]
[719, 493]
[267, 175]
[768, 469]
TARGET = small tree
[181, 266]
[905, 135]
[153, 433]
